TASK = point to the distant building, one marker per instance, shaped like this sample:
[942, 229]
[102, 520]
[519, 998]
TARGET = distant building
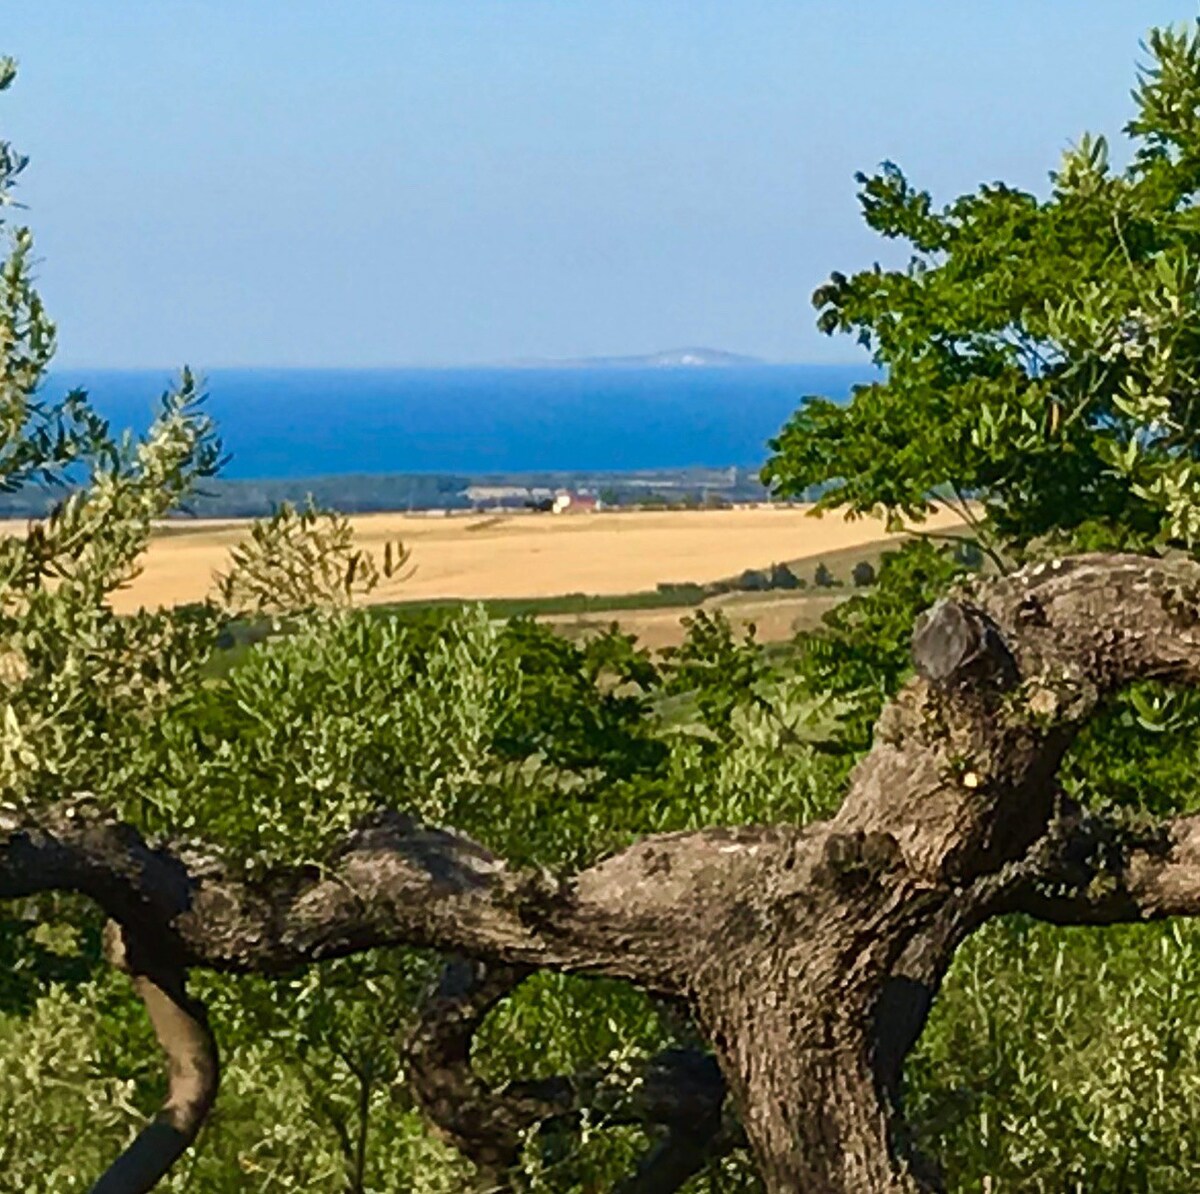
[575, 503]
[495, 494]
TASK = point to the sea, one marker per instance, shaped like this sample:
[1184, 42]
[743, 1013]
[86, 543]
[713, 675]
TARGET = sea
[284, 423]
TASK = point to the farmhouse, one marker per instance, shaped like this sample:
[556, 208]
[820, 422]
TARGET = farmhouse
[575, 503]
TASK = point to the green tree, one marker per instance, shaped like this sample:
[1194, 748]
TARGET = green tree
[1040, 357]
[863, 574]
[1041, 352]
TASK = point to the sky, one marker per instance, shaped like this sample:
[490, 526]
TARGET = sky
[453, 182]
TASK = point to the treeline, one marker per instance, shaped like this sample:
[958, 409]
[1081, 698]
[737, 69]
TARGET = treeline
[362, 493]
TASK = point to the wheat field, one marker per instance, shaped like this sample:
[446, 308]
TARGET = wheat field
[530, 555]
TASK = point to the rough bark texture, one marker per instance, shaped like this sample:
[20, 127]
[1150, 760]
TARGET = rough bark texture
[808, 958]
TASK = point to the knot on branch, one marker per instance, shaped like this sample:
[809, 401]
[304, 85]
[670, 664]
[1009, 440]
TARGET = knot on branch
[861, 857]
[955, 644]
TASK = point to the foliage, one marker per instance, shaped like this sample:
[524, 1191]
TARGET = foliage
[76, 677]
[1065, 1062]
[714, 666]
[1139, 758]
[1041, 353]
[81, 1073]
[298, 559]
[861, 652]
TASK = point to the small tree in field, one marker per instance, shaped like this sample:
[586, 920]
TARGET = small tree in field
[294, 846]
[782, 577]
[823, 578]
[863, 574]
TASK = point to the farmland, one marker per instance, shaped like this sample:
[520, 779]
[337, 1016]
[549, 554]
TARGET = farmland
[574, 569]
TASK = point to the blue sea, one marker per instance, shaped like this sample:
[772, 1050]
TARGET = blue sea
[281, 423]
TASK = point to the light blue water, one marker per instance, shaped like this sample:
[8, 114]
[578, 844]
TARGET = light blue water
[306, 423]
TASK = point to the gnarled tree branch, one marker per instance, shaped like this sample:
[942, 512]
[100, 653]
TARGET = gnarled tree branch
[680, 1090]
[193, 1071]
[1094, 870]
[808, 957]
[485, 1128]
[393, 882]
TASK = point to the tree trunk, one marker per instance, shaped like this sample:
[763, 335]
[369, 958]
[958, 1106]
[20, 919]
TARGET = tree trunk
[811, 1037]
[812, 1109]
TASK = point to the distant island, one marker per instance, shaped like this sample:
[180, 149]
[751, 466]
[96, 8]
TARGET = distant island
[671, 358]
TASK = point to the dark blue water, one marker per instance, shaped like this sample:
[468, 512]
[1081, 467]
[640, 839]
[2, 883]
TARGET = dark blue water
[306, 423]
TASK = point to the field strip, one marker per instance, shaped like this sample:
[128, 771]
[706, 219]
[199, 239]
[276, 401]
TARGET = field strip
[534, 555]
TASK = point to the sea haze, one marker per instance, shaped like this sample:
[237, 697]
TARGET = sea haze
[279, 423]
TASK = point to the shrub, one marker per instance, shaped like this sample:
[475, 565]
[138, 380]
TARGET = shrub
[863, 574]
[823, 578]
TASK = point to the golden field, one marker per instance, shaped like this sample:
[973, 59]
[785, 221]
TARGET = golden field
[776, 616]
[533, 555]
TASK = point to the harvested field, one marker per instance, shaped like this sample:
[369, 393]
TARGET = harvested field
[776, 617]
[531, 556]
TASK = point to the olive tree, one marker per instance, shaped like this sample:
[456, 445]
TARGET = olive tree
[386, 808]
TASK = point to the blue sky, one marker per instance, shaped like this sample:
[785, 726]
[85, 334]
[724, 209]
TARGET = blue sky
[390, 182]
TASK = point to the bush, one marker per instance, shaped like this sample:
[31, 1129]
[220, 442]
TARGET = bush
[754, 580]
[782, 577]
[685, 592]
[863, 574]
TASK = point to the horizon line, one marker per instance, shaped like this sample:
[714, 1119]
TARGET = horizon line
[513, 366]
